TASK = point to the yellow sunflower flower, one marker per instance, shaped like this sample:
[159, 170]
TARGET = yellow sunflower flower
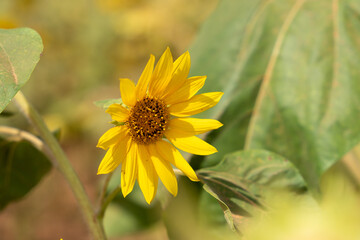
[157, 108]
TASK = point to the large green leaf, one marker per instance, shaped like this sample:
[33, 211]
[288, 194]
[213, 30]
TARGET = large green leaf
[308, 105]
[233, 49]
[241, 180]
[289, 71]
[20, 51]
[21, 167]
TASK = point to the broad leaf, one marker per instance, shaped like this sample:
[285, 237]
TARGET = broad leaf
[20, 51]
[233, 50]
[21, 167]
[308, 105]
[289, 70]
[241, 179]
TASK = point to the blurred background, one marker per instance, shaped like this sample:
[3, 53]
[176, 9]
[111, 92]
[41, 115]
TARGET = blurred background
[88, 45]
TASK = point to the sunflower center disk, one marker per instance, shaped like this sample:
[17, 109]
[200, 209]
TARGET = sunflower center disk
[148, 120]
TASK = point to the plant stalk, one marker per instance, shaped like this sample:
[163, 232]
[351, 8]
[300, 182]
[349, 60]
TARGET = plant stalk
[107, 200]
[64, 165]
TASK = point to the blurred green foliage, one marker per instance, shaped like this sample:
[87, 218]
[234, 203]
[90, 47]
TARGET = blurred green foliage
[291, 216]
[289, 71]
[88, 45]
[22, 166]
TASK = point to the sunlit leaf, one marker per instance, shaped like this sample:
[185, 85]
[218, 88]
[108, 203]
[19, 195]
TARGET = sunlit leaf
[289, 70]
[233, 50]
[20, 51]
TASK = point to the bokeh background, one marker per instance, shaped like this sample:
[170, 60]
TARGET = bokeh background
[88, 45]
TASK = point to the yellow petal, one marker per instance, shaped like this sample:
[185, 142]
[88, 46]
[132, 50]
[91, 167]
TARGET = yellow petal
[190, 87]
[172, 155]
[111, 136]
[118, 112]
[180, 71]
[127, 90]
[144, 79]
[163, 170]
[129, 170]
[161, 75]
[147, 177]
[186, 127]
[191, 144]
[114, 156]
[123, 180]
[196, 104]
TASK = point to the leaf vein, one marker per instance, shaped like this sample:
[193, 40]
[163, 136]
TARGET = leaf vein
[12, 70]
[270, 68]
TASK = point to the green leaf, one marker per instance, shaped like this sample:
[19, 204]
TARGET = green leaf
[107, 102]
[289, 72]
[20, 51]
[242, 178]
[308, 106]
[21, 167]
[233, 49]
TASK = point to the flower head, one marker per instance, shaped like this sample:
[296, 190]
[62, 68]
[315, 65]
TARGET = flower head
[158, 108]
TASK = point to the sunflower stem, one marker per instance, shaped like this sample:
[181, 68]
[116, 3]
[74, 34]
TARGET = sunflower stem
[103, 192]
[107, 201]
[63, 164]
[100, 217]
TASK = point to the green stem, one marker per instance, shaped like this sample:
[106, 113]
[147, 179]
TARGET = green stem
[107, 201]
[102, 199]
[63, 165]
[104, 188]
[101, 211]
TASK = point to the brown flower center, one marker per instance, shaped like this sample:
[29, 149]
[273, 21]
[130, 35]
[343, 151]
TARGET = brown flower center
[148, 120]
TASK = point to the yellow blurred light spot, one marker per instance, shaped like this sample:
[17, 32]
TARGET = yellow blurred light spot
[295, 217]
[8, 23]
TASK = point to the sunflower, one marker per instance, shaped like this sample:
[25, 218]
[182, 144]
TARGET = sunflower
[154, 123]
